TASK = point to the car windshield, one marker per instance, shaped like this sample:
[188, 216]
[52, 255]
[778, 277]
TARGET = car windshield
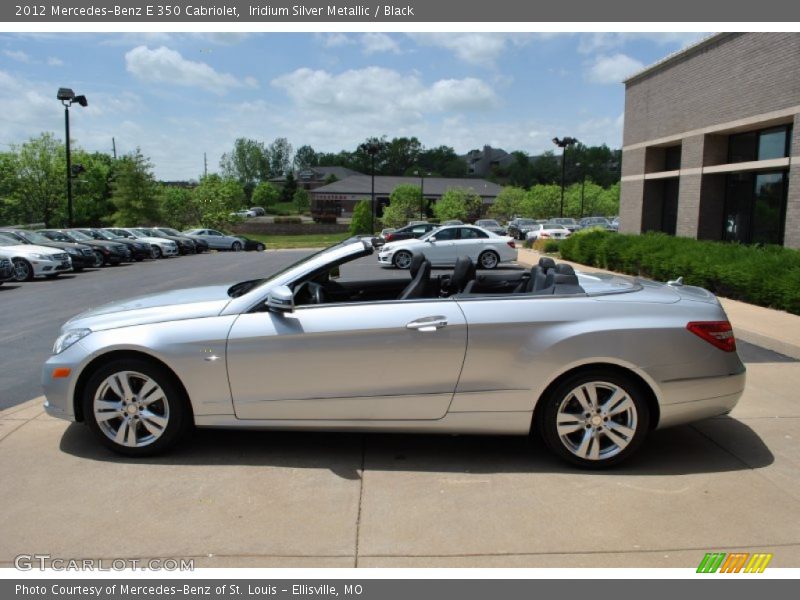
[59, 236]
[34, 237]
[526, 222]
[80, 236]
[192, 231]
[168, 231]
[143, 232]
[8, 241]
[488, 223]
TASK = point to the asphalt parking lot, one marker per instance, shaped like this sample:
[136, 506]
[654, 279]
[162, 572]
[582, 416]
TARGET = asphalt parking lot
[267, 499]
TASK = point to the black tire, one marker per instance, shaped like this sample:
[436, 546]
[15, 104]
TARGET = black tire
[236, 247]
[23, 270]
[402, 259]
[155, 252]
[99, 261]
[178, 422]
[488, 259]
[598, 426]
[260, 247]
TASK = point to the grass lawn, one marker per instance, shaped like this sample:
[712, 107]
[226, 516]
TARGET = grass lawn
[282, 209]
[314, 240]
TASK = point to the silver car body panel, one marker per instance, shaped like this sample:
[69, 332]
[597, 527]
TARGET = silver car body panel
[369, 366]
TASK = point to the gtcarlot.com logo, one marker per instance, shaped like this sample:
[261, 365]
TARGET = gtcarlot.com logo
[735, 562]
[29, 562]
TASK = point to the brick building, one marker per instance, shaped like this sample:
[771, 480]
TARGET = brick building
[711, 145]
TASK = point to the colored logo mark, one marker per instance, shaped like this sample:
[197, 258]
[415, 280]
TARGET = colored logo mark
[735, 562]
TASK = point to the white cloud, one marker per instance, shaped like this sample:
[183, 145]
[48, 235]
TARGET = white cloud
[382, 92]
[613, 69]
[334, 40]
[54, 61]
[162, 65]
[482, 49]
[373, 43]
[605, 41]
[17, 55]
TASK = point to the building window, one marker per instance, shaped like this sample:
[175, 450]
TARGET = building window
[672, 158]
[755, 207]
[760, 145]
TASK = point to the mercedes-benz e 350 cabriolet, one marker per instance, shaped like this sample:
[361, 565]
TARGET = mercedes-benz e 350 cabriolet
[588, 362]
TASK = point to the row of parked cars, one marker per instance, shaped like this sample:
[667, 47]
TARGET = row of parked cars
[47, 253]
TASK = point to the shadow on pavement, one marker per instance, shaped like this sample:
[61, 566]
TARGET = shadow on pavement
[675, 451]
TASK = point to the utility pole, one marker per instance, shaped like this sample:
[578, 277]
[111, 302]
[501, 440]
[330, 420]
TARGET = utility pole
[205, 165]
[114, 147]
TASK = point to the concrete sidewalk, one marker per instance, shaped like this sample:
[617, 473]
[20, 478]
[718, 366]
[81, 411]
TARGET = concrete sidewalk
[772, 329]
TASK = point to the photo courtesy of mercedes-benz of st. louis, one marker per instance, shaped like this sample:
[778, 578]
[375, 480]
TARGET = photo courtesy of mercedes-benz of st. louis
[590, 363]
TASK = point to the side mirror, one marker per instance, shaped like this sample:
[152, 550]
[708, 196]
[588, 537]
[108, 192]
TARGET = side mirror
[281, 299]
[431, 239]
[335, 273]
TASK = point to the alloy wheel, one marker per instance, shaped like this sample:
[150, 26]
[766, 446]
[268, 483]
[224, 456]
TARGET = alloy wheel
[22, 270]
[402, 260]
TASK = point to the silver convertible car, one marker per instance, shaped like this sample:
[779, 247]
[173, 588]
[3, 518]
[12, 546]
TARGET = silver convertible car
[590, 363]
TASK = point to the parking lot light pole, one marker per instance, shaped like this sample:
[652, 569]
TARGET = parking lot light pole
[422, 207]
[372, 150]
[564, 143]
[68, 98]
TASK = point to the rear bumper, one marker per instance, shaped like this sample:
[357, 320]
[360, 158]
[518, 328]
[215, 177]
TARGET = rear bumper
[685, 401]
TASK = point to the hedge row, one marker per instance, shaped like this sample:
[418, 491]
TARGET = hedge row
[763, 275]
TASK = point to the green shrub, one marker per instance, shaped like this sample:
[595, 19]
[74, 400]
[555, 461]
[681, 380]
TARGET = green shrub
[361, 223]
[288, 220]
[763, 275]
[550, 246]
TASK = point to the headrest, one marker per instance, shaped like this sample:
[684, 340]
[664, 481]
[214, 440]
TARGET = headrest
[416, 263]
[463, 271]
[546, 262]
[564, 269]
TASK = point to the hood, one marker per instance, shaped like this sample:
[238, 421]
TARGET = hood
[28, 249]
[175, 305]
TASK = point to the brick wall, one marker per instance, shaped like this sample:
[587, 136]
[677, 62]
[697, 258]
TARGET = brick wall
[737, 76]
[630, 206]
[791, 236]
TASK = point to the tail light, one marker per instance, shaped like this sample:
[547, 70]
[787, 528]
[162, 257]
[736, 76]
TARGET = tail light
[716, 333]
[389, 237]
[511, 244]
[544, 235]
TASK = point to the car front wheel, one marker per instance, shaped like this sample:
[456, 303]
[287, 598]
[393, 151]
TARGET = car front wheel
[98, 259]
[23, 271]
[135, 407]
[402, 259]
[595, 419]
[155, 252]
[236, 247]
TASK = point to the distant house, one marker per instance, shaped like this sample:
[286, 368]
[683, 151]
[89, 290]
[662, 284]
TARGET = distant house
[480, 163]
[312, 178]
[347, 192]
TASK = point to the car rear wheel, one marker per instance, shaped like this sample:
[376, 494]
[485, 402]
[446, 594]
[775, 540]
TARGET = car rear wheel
[595, 419]
[488, 259]
[98, 259]
[236, 247]
[23, 270]
[260, 247]
[402, 259]
[155, 252]
[135, 407]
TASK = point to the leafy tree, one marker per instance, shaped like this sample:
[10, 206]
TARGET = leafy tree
[401, 154]
[305, 157]
[442, 161]
[507, 203]
[92, 188]
[40, 182]
[405, 203]
[361, 223]
[301, 200]
[216, 198]
[458, 203]
[178, 208]
[541, 202]
[331, 178]
[135, 191]
[265, 194]
[279, 156]
[289, 188]
[248, 163]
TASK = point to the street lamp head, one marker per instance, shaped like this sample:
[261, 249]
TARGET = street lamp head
[372, 148]
[81, 100]
[65, 94]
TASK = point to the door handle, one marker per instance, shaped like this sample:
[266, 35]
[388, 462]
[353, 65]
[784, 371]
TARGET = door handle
[427, 324]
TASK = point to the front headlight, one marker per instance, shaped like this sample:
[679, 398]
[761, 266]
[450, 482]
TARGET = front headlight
[68, 338]
[41, 257]
[72, 251]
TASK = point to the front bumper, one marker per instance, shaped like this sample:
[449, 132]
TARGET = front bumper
[59, 391]
[385, 258]
[43, 268]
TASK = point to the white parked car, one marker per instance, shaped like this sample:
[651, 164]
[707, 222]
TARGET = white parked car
[32, 260]
[245, 214]
[547, 231]
[159, 247]
[217, 240]
[443, 246]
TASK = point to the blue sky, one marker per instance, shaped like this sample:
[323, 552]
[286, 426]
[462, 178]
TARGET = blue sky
[178, 95]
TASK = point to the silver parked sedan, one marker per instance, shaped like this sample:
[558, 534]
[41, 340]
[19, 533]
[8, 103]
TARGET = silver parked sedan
[217, 240]
[590, 363]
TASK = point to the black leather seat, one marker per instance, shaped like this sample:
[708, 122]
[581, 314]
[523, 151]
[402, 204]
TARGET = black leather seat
[421, 273]
[463, 273]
